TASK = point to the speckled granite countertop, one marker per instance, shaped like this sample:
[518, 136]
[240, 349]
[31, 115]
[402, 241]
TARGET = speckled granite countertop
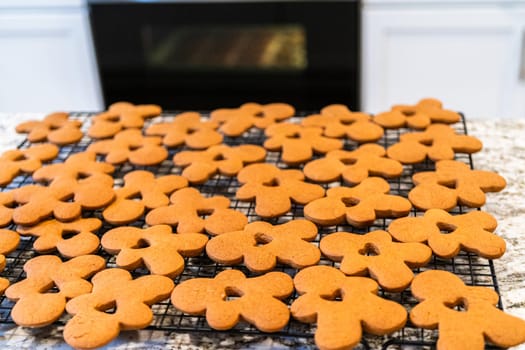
[503, 152]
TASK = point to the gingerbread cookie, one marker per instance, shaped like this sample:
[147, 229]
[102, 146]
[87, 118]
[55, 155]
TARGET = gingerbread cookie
[353, 166]
[395, 119]
[56, 128]
[343, 307]
[155, 247]
[88, 180]
[108, 124]
[227, 160]
[374, 254]
[51, 234]
[117, 302]
[235, 121]
[338, 121]
[80, 177]
[77, 167]
[360, 205]
[298, 143]
[477, 321]
[187, 129]
[141, 190]
[273, 189]
[453, 183]
[14, 162]
[260, 245]
[426, 111]
[7, 202]
[144, 110]
[130, 145]
[36, 304]
[448, 234]
[64, 199]
[121, 115]
[39, 202]
[188, 205]
[8, 243]
[258, 299]
[437, 142]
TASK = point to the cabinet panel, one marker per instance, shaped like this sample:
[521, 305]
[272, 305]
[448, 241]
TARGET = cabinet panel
[47, 63]
[468, 58]
[461, 67]
[32, 4]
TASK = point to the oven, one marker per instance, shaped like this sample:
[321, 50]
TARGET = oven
[209, 54]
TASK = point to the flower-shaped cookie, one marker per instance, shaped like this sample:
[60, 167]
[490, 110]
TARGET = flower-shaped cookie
[258, 299]
[235, 121]
[227, 160]
[130, 145]
[425, 112]
[29, 204]
[438, 142]
[81, 241]
[56, 128]
[64, 200]
[187, 129]
[80, 174]
[260, 245]
[144, 110]
[76, 168]
[453, 183]
[273, 189]
[36, 304]
[395, 119]
[353, 166]
[466, 316]
[186, 210]
[374, 254]
[121, 115]
[156, 247]
[7, 202]
[14, 162]
[338, 121]
[297, 142]
[141, 190]
[448, 234]
[360, 205]
[128, 299]
[8, 243]
[343, 307]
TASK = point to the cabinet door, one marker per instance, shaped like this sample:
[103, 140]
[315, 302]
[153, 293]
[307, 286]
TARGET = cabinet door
[468, 57]
[47, 62]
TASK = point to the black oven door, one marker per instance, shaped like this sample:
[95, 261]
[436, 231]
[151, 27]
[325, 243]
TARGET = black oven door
[210, 54]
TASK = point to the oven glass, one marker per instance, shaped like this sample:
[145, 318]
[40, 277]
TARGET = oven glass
[226, 48]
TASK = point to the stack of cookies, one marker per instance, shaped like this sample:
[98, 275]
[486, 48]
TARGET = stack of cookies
[340, 219]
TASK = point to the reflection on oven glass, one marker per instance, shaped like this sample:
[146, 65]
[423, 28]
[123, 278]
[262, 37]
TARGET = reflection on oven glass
[270, 47]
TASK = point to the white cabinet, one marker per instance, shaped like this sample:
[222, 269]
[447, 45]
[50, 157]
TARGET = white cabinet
[47, 61]
[469, 55]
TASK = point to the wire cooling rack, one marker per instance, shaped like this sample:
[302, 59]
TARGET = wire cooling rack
[472, 269]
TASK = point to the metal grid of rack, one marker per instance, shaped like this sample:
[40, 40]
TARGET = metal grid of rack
[473, 270]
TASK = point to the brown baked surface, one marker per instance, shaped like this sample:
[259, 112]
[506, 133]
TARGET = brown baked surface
[230, 187]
